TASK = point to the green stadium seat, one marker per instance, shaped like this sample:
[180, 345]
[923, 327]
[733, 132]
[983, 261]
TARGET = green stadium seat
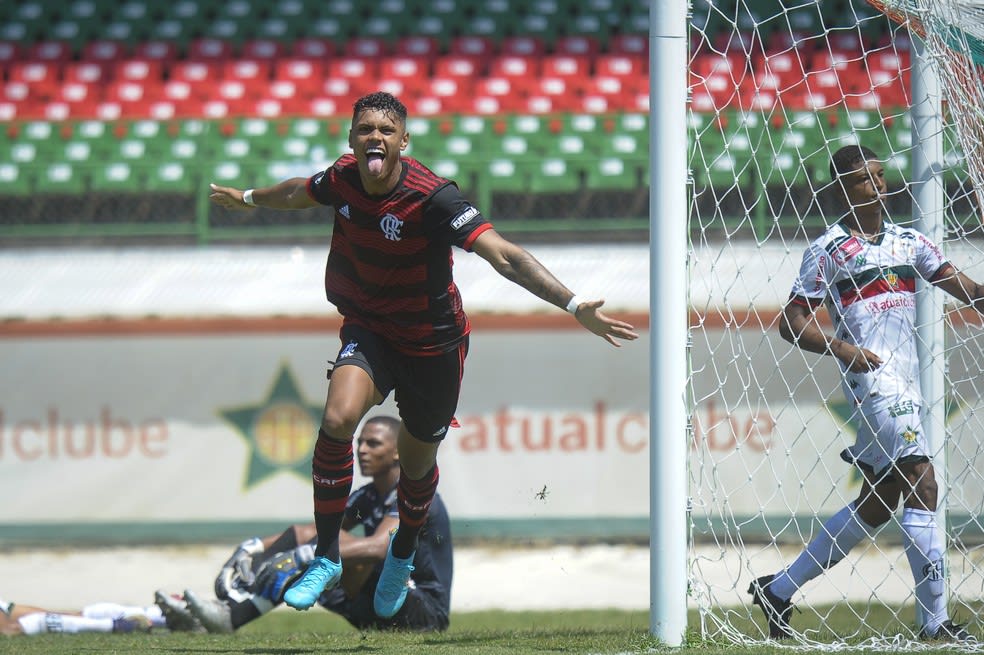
[14, 179]
[507, 174]
[554, 174]
[115, 176]
[61, 177]
[612, 173]
[172, 176]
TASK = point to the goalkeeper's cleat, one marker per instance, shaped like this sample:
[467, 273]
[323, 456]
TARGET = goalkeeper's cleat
[949, 632]
[215, 615]
[177, 616]
[391, 590]
[776, 610]
[132, 623]
[321, 575]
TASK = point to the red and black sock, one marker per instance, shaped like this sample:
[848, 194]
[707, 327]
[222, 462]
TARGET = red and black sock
[414, 498]
[331, 472]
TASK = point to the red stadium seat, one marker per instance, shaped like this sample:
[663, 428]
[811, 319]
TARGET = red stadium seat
[460, 66]
[353, 67]
[619, 65]
[403, 67]
[305, 73]
[87, 72]
[209, 49]
[324, 106]
[139, 70]
[104, 51]
[365, 46]
[577, 45]
[246, 69]
[472, 46]
[565, 66]
[196, 71]
[629, 44]
[10, 51]
[262, 49]
[161, 51]
[424, 47]
[523, 46]
[514, 66]
[56, 51]
[314, 48]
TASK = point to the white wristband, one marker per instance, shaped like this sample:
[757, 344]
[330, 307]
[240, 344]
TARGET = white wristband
[248, 197]
[573, 304]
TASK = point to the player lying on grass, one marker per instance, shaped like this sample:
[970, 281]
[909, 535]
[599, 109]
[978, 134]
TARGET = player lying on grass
[258, 574]
[100, 617]
[864, 270]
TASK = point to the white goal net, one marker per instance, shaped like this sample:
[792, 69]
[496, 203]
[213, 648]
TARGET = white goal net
[776, 87]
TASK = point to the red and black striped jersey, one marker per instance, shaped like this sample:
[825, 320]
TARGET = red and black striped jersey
[389, 267]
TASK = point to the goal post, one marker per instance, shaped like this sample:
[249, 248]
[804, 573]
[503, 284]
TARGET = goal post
[668, 321]
[775, 88]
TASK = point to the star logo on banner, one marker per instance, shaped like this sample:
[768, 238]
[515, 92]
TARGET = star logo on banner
[279, 430]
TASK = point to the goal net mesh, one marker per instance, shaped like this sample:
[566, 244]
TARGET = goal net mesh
[775, 89]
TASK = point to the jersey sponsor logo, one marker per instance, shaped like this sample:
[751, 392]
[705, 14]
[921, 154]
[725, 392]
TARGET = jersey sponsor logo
[391, 226]
[846, 250]
[902, 408]
[328, 482]
[464, 217]
[345, 211]
[349, 349]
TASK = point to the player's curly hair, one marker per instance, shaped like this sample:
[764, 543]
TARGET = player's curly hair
[380, 101]
[848, 159]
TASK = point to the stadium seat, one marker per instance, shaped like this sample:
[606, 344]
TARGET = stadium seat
[171, 176]
[14, 179]
[61, 177]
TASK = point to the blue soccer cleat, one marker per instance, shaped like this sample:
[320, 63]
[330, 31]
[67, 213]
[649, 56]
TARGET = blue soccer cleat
[321, 574]
[391, 590]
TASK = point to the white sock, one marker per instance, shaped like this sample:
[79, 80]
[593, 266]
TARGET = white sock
[924, 548]
[39, 622]
[5, 607]
[117, 611]
[842, 532]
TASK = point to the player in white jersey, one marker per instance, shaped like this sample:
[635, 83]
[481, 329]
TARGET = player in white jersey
[864, 270]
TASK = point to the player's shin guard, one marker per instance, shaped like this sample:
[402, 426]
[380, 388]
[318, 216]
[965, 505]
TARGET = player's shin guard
[414, 498]
[923, 542]
[331, 472]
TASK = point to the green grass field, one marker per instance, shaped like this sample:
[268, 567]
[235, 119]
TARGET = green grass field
[474, 633]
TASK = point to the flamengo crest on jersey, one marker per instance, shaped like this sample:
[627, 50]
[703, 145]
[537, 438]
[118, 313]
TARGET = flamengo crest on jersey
[869, 290]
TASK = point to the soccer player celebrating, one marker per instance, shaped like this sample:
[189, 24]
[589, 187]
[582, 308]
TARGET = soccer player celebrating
[863, 269]
[404, 330]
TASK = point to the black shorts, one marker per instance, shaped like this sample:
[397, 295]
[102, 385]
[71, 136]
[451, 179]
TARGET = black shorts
[423, 609]
[427, 387]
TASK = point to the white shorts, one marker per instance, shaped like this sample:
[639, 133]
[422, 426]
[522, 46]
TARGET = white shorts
[889, 429]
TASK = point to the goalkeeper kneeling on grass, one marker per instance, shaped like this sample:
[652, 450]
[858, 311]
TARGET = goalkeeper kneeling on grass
[864, 270]
[255, 578]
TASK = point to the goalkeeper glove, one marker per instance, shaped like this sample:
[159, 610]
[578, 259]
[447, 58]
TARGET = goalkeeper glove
[278, 573]
[237, 573]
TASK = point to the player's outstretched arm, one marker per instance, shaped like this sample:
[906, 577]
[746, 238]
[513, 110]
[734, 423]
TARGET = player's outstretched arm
[516, 264]
[961, 287]
[289, 194]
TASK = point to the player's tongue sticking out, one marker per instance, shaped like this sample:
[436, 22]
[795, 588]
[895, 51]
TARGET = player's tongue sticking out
[374, 161]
